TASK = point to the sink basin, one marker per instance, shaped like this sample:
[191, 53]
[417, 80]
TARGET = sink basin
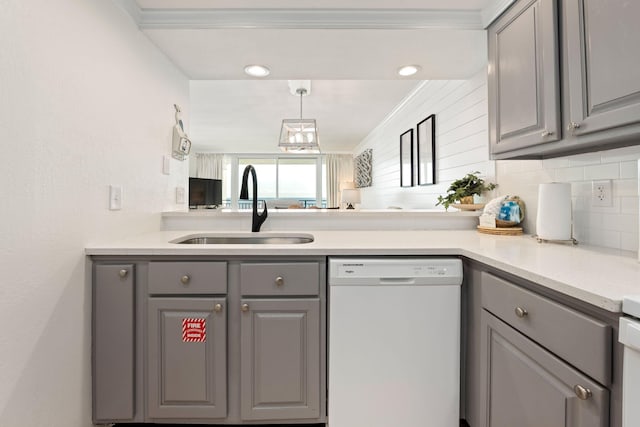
[244, 239]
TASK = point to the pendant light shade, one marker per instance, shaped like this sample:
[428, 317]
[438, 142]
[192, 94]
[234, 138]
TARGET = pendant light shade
[299, 135]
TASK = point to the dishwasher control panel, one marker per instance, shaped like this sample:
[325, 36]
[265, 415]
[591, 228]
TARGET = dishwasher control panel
[416, 271]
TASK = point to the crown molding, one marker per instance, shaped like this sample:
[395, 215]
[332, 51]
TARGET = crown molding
[493, 10]
[132, 8]
[301, 18]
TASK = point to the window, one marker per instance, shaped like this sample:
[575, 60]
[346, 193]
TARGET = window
[299, 178]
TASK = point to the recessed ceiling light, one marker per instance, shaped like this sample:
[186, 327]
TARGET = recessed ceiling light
[257, 70]
[408, 70]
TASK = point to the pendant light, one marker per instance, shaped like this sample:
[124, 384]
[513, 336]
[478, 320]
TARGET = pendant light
[299, 135]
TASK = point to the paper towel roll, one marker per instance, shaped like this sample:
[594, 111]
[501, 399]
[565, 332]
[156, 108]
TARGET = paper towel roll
[554, 211]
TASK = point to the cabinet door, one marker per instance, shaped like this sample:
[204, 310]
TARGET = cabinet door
[187, 375]
[602, 38]
[280, 359]
[526, 386]
[113, 342]
[523, 82]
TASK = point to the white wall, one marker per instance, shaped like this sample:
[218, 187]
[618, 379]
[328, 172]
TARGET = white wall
[614, 227]
[460, 107]
[85, 101]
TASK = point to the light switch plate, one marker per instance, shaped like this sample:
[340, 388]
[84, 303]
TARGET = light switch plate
[166, 165]
[115, 197]
[180, 195]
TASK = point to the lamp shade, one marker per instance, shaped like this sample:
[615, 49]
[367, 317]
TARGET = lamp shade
[350, 195]
[347, 184]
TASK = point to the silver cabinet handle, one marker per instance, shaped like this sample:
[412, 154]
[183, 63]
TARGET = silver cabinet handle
[185, 279]
[217, 308]
[583, 393]
[279, 281]
[573, 126]
[546, 133]
[245, 307]
[521, 312]
[123, 273]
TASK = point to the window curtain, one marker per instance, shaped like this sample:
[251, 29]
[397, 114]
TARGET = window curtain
[209, 165]
[339, 169]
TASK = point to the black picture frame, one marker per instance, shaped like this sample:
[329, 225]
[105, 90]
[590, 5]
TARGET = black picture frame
[426, 151]
[406, 159]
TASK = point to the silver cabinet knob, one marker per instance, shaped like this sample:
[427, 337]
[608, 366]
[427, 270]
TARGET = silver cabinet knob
[583, 393]
[546, 133]
[521, 312]
[245, 307]
[217, 308]
[279, 281]
[573, 126]
[185, 279]
[123, 273]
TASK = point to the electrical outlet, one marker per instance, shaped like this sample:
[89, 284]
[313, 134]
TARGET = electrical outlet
[602, 193]
[115, 197]
[180, 195]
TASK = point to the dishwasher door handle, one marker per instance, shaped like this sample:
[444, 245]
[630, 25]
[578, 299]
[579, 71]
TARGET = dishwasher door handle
[397, 281]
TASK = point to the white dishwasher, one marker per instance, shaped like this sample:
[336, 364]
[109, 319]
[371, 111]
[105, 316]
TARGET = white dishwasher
[394, 342]
[629, 335]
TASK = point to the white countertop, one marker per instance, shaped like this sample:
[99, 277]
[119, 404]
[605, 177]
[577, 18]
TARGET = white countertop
[598, 276]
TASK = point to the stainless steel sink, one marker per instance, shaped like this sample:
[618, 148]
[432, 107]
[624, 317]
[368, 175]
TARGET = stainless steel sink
[244, 239]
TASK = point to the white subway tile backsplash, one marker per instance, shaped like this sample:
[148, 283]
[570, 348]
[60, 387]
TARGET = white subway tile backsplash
[605, 171]
[569, 174]
[629, 169]
[585, 159]
[614, 226]
[621, 154]
[555, 163]
[607, 238]
[625, 188]
[629, 205]
[620, 222]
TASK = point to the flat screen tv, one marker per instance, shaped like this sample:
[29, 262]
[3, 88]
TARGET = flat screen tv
[205, 192]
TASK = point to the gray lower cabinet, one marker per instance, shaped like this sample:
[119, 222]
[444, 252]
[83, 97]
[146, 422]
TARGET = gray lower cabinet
[526, 386]
[523, 80]
[535, 358]
[187, 358]
[113, 342]
[209, 341]
[280, 359]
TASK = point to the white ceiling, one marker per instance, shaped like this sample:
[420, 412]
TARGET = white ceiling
[350, 49]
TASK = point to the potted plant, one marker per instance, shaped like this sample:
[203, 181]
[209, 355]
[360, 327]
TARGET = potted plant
[464, 189]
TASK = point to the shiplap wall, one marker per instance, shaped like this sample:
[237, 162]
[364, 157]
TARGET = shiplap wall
[460, 107]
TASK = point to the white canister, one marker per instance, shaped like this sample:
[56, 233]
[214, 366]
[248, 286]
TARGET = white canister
[553, 221]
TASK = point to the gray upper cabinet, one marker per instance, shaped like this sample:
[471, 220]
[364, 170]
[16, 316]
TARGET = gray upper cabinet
[280, 359]
[523, 80]
[113, 342]
[602, 39]
[187, 376]
[600, 84]
[527, 386]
